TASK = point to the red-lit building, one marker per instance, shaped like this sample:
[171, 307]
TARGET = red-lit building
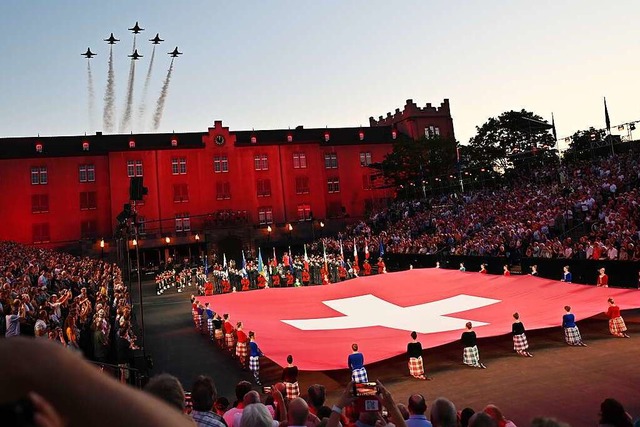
[58, 191]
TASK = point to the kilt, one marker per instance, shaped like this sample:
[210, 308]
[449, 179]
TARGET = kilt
[210, 326]
[196, 319]
[471, 356]
[416, 368]
[572, 336]
[359, 375]
[254, 363]
[230, 340]
[520, 342]
[218, 334]
[241, 349]
[617, 326]
[293, 390]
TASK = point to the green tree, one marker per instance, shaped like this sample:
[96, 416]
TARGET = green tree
[501, 143]
[582, 143]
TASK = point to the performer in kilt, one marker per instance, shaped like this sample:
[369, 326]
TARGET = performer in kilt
[254, 357]
[209, 314]
[414, 351]
[217, 330]
[520, 344]
[241, 345]
[290, 379]
[571, 331]
[356, 364]
[229, 338]
[616, 322]
[470, 355]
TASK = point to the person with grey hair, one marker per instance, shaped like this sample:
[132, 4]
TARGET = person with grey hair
[257, 415]
[443, 413]
[481, 419]
[168, 388]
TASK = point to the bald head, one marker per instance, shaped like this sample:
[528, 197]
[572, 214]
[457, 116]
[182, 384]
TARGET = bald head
[298, 412]
[417, 405]
[250, 398]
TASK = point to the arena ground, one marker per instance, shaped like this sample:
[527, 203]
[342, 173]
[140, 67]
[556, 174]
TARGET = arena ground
[560, 381]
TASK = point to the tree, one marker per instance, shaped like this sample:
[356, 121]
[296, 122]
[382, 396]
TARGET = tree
[501, 143]
[583, 142]
[414, 164]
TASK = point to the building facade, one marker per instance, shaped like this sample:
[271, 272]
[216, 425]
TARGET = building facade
[57, 191]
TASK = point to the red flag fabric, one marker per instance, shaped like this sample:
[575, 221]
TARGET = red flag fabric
[318, 324]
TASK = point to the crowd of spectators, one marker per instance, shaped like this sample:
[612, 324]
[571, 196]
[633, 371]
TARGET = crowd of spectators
[79, 303]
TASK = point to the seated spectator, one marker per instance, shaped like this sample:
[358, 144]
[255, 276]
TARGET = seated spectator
[203, 394]
[256, 415]
[497, 416]
[168, 388]
[481, 419]
[443, 413]
[417, 408]
[612, 414]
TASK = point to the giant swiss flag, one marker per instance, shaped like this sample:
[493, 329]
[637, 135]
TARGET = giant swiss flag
[318, 324]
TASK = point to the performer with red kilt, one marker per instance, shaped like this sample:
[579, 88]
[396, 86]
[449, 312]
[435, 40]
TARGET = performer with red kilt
[520, 344]
[414, 351]
[229, 338]
[241, 346]
[290, 379]
[245, 283]
[306, 277]
[616, 322]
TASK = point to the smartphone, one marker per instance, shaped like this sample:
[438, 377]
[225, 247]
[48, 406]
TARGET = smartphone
[365, 389]
[266, 390]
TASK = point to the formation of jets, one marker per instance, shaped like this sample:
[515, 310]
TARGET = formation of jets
[135, 55]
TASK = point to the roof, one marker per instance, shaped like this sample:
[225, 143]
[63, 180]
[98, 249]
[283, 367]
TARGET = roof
[300, 135]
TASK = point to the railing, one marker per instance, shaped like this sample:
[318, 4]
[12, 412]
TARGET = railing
[125, 375]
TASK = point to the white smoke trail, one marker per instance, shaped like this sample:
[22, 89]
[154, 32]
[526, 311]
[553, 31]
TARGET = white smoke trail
[109, 97]
[92, 96]
[145, 89]
[126, 117]
[157, 117]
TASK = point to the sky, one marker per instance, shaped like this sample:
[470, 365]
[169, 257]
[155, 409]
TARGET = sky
[282, 63]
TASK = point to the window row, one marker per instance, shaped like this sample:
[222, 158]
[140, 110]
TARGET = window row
[265, 214]
[40, 202]
[41, 232]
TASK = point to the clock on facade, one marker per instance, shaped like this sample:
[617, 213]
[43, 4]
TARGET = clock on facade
[219, 139]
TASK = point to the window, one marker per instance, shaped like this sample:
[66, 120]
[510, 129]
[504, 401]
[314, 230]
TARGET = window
[299, 161]
[367, 182]
[302, 185]
[141, 225]
[261, 163]
[220, 164]
[179, 166]
[89, 229]
[365, 158]
[331, 161]
[183, 222]
[304, 212]
[39, 203]
[87, 173]
[265, 216]
[88, 200]
[264, 187]
[223, 190]
[134, 168]
[333, 185]
[180, 193]
[431, 131]
[41, 233]
[39, 175]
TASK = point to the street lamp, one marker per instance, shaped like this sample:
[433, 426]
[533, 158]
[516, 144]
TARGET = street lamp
[134, 242]
[101, 248]
[197, 237]
[290, 228]
[167, 240]
[268, 233]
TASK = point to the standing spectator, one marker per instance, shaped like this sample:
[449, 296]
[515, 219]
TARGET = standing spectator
[123, 353]
[603, 279]
[254, 357]
[520, 344]
[414, 351]
[566, 275]
[470, 355]
[355, 361]
[617, 326]
[571, 331]
[203, 394]
[14, 318]
[290, 379]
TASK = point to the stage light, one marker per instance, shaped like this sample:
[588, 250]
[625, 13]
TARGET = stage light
[321, 224]
[102, 243]
[290, 227]
[197, 237]
[269, 228]
[167, 240]
[134, 242]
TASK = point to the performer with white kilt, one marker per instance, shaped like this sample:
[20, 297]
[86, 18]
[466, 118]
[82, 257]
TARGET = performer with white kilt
[254, 357]
[617, 326]
[356, 364]
[571, 331]
[414, 351]
[290, 379]
[520, 344]
[470, 355]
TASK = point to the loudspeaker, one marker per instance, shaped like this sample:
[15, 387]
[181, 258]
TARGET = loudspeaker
[136, 188]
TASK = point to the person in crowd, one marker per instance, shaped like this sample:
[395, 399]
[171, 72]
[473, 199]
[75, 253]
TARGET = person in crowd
[355, 362]
[534, 270]
[547, 422]
[482, 419]
[470, 355]
[317, 396]
[290, 379]
[414, 352]
[612, 414]
[617, 326]
[167, 388]
[254, 357]
[496, 415]
[417, 407]
[256, 415]
[241, 345]
[520, 344]
[465, 415]
[566, 275]
[366, 418]
[603, 279]
[203, 394]
[221, 405]
[242, 388]
[443, 413]
[571, 332]
[16, 316]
